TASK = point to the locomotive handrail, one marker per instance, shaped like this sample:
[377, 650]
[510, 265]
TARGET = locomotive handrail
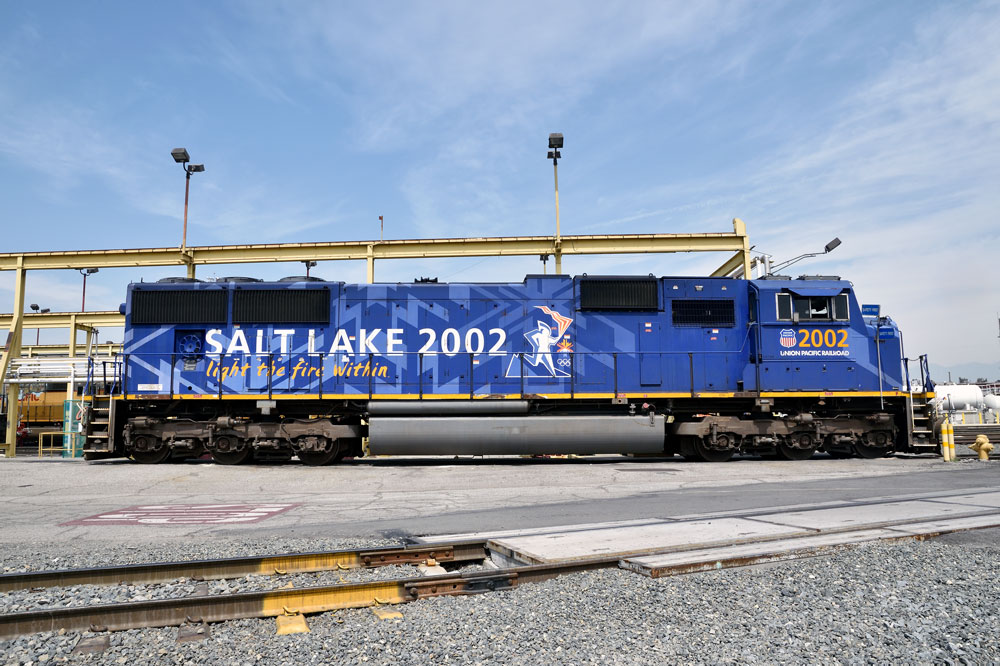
[315, 376]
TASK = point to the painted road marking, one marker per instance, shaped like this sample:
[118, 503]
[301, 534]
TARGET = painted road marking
[185, 514]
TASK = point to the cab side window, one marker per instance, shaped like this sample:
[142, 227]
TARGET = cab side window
[812, 308]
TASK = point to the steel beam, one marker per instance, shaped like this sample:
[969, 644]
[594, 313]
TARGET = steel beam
[376, 250]
[735, 262]
[84, 320]
[742, 257]
[69, 351]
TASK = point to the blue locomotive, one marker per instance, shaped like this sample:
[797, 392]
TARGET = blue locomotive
[703, 367]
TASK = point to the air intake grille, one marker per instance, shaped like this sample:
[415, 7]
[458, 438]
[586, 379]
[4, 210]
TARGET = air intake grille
[176, 306]
[704, 312]
[281, 306]
[611, 294]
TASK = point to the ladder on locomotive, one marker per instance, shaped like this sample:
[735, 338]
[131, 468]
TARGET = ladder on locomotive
[102, 384]
[920, 422]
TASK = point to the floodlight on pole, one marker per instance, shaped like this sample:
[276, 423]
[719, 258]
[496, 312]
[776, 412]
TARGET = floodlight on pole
[85, 272]
[555, 143]
[829, 247]
[309, 264]
[37, 310]
[181, 156]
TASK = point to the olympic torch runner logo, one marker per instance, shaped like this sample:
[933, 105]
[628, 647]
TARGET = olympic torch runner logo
[542, 338]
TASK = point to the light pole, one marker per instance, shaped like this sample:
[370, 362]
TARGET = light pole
[181, 156]
[309, 264]
[34, 306]
[555, 143]
[85, 272]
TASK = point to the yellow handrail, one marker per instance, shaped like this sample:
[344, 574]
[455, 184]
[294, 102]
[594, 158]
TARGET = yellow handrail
[61, 448]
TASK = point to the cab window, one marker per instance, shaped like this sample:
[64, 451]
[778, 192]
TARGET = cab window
[812, 308]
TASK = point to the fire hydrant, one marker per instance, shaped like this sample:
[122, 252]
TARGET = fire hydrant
[982, 447]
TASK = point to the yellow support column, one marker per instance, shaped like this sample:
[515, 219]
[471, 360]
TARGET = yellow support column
[740, 229]
[72, 353]
[14, 351]
[371, 264]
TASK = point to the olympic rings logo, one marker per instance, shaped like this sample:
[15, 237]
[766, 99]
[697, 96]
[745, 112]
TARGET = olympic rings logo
[564, 362]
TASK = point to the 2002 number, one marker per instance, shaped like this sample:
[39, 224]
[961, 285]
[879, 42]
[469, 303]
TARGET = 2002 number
[451, 341]
[818, 338]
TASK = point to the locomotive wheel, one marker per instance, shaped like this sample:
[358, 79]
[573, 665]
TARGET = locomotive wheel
[232, 457]
[804, 451]
[872, 452]
[318, 458]
[791, 453]
[712, 455]
[880, 448]
[145, 454]
[152, 457]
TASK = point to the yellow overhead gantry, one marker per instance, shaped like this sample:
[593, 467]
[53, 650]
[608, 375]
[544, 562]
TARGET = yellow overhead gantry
[737, 242]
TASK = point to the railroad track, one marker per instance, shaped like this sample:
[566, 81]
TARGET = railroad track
[202, 608]
[269, 603]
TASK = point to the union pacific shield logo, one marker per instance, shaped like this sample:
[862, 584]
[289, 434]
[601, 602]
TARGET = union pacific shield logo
[787, 338]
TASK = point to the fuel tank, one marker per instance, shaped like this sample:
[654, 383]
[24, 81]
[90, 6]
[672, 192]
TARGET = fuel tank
[515, 435]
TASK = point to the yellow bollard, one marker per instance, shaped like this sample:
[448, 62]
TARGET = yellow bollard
[982, 447]
[947, 445]
[951, 443]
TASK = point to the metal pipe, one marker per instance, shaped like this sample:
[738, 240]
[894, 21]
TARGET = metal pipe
[187, 188]
[446, 407]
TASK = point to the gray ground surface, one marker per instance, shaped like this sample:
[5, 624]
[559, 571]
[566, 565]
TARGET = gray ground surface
[902, 602]
[906, 602]
[394, 498]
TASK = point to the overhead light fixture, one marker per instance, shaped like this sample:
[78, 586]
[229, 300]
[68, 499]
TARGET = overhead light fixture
[181, 156]
[829, 247]
[555, 143]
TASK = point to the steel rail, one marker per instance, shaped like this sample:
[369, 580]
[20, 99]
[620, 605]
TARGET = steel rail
[271, 603]
[308, 600]
[238, 567]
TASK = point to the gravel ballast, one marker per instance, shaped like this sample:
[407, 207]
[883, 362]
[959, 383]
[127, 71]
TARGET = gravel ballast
[888, 602]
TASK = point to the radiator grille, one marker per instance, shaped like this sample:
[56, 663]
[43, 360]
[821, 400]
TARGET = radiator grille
[281, 306]
[719, 312]
[619, 294]
[176, 306]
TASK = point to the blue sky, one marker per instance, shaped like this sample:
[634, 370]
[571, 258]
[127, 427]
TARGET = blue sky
[875, 122]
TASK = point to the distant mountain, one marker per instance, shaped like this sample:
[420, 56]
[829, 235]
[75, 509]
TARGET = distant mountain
[970, 371]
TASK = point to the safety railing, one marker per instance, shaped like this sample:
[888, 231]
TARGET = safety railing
[71, 449]
[418, 373]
